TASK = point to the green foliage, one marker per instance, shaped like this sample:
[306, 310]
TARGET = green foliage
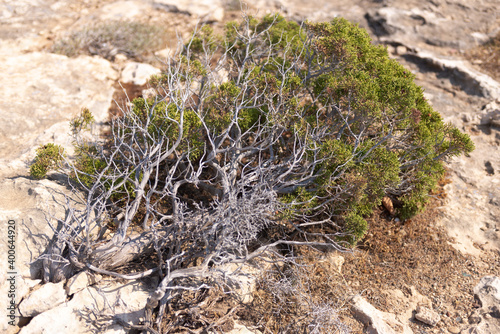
[363, 78]
[83, 122]
[87, 163]
[164, 120]
[48, 157]
[355, 226]
[204, 40]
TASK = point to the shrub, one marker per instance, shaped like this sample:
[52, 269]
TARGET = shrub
[48, 157]
[276, 130]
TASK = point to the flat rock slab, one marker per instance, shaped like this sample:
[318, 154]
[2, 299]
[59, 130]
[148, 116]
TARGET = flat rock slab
[207, 10]
[80, 281]
[47, 297]
[28, 205]
[126, 301]
[40, 91]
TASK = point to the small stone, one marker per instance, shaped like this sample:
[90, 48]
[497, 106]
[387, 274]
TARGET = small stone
[487, 291]
[138, 73]
[165, 53]
[217, 14]
[337, 261]
[466, 118]
[454, 329]
[427, 316]
[120, 57]
[474, 318]
[495, 312]
[401, 50]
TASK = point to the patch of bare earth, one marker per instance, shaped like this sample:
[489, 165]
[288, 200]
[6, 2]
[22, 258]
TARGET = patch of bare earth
[397, 255]
[409, 256]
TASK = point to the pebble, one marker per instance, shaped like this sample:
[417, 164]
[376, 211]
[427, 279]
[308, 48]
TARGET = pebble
[454, 329]
[427, 316]
[401, 50]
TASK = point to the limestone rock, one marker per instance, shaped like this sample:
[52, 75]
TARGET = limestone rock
[165, 53]
[207, 10]
[475, 317]
[472, 81]
[31, 205]
[80, 281]
[24, 285]
[425, 26]
[427, 316]
[138, 73]
[335, 260]
[403, 305]
[123, 10]
[491, 114]
[377, 322]
[45, 298]
[488, 292]
[486, 319]
[57, 89]
[485, 327]
[76, 316]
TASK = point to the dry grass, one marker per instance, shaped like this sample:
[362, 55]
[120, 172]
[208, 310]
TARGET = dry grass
[133, 39]
[487, 57]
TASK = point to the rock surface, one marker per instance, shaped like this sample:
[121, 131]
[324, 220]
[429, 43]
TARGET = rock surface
[486, 319]
[45, 298]
[427, 316]
[205, 10]
[38, 110]
[241, 279]
[138, 73]
[80, 281]
[123, 301]
[472, 81]
[488, 292]
[375, 321]
[30, 205]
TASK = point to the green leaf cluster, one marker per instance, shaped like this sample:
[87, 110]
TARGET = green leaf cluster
[48, 157]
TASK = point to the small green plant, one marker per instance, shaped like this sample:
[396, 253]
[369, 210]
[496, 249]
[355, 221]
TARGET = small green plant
[130, 38]
[48, 157]
[82, 122]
